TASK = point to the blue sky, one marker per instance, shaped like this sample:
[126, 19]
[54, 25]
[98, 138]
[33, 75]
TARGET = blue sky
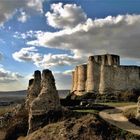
[59, 34]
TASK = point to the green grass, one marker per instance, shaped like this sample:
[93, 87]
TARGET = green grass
[118, 104]
[88, 111]
[5, 109]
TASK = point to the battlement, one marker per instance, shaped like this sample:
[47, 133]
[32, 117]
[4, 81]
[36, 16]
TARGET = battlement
[106, 59]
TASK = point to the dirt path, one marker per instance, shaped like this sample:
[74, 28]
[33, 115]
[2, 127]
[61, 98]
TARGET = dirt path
[115, 117]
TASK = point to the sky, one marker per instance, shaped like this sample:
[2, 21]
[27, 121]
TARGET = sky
[60, 34]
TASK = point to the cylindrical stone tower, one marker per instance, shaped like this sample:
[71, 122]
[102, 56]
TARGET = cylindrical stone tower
[75, 79]
[82, 76]
[90, 76]
[72, 88]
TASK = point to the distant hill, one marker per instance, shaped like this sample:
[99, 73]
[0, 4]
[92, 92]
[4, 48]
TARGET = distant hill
[62, 93]
[21, 92]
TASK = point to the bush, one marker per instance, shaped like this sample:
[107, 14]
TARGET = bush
[130, 113]
[129, 95]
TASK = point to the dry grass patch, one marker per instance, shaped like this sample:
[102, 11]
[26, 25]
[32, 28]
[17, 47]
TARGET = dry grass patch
[5, 109]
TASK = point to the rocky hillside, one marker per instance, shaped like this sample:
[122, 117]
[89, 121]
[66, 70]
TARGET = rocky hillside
[82, 127]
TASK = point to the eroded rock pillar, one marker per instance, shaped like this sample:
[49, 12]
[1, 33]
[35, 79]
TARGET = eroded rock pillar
[34, 88]
[138, 109]
[46, 104]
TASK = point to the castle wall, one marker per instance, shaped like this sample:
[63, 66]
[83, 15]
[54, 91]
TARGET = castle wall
[119, 78]
[106, 79]
[103, 74]
[93, 75]
[126, 77]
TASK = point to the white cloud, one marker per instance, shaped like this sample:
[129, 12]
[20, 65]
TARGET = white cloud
[119, 35]
[9, 7]
[54, 60]
[27, 35]
[35, 4]
[8, 76]
[65, 16]
[44, 61]
[63, 80]
[23, 17]
[27, 54]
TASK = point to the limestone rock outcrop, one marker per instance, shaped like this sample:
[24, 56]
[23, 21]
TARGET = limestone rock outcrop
[104, 74]
[43, 101]
[138, 109]
[34, 88]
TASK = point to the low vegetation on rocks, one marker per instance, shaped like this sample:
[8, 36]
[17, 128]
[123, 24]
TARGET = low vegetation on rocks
[87, 126]
[130, 113]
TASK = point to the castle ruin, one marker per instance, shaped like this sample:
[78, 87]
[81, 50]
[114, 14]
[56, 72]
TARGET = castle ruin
[104, 74]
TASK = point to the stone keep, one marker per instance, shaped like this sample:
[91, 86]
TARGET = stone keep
[104, 74]
[47, 100]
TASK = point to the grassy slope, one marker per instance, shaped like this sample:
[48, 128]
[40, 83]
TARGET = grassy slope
[118, 104]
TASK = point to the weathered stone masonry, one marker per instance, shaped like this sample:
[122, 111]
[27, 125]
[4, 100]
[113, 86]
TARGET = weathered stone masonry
[104, 74]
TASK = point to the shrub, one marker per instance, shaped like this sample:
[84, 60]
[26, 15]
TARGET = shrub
[130, 113]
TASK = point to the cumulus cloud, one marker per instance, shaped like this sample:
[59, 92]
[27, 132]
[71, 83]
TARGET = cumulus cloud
[23, 17]
[44, 61]
[119, 35]
[8, 76]
[63, 80]
[27, 54]
[35, 4]
[54, 60]
[65, 16]
[9, 7]
[27, 35]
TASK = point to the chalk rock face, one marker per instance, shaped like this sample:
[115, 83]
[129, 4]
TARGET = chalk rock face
[47, 101]
[138, 109]
[34, 88]
[48, 98]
